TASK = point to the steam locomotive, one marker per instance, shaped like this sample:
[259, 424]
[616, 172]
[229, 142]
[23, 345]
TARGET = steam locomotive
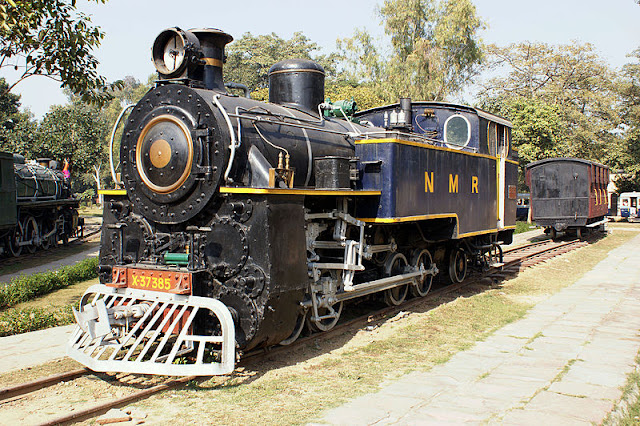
[238, 223]
[38, 208]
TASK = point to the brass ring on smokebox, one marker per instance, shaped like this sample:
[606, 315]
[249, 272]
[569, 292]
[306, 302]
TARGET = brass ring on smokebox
[158, 154]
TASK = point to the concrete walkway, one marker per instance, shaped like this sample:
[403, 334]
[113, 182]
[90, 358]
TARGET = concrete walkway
[33, 348]
[564, 363]
[54, 265]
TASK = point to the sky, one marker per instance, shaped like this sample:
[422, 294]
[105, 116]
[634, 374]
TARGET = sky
[132, 25]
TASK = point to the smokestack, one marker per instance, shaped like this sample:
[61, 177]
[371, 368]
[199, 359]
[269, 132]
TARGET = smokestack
[212, 43]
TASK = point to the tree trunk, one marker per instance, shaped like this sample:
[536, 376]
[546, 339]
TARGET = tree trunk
[96, 169]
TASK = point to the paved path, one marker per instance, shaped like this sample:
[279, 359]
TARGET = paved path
[56, 264]
[34, 348]
[564, 363]
[528, 237]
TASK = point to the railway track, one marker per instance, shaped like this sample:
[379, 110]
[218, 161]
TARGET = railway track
[90, 232]
[515, 260]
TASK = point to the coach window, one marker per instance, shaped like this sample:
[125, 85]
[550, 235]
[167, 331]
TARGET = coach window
[503, 141]
[457, 131]
[492, 138]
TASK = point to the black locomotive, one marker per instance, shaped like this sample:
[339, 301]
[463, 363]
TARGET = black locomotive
[38, 208]
[239, 222]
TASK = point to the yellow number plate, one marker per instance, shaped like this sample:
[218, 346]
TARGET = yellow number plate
[165, 281]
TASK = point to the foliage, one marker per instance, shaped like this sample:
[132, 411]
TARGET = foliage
[16, 128]
[365, 95]
[25, 288]
[9, 103]
[87, 196]
[435, 50]
[627, 157]
[17, 321]
[250, 57]
[76, 131]
[627, 183]
[524, 226]
[52, 38]
[561, 99]
[536, 126]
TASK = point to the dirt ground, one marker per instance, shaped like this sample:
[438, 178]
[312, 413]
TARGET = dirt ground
[294, 387]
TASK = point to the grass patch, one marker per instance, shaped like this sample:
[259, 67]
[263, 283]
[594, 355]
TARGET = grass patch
[299, 386]
[90, 211]
[524, 226]
[25, 288]
[627, 410]
[18, 321]
[23, 307]
[44, 312]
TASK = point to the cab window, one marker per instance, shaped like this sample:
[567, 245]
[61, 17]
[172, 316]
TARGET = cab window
[457, 131]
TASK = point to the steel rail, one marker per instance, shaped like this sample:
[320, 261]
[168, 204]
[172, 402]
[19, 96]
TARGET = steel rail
[369, 317]
[90, 412]
[24, 388]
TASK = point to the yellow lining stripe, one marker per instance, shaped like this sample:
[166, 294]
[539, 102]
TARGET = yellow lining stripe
[471, 234]
[510, 227]
[296, 70]
[408, 218]
[427, 217]
[427, 146]
[112, 191]
[421, 145]
[278, 191]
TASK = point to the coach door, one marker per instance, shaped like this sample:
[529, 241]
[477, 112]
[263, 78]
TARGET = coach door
[498, 140]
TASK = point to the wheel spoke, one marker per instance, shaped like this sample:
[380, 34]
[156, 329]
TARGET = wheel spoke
[325, 324]
[457, 265]
[422, 259]
[395, 265]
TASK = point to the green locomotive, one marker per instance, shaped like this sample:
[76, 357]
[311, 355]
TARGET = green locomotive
[39, 210]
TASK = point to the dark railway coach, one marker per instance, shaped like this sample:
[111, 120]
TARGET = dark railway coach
[568, 194]
[38, 209]
[238, 223]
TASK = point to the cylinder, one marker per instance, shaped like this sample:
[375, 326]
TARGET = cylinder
[298, 83]
[405, 106]
[176, 258]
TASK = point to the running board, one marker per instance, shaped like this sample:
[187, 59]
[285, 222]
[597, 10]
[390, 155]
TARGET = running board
[150, 332]
[371, 287]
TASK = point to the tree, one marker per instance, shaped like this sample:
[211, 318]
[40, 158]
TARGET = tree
[250, 57]
[561, 99]
[9, 103]
[78, 132]
[627, 157]
[365, 95]
[53, 39]
[16, 128]
[435, 50]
